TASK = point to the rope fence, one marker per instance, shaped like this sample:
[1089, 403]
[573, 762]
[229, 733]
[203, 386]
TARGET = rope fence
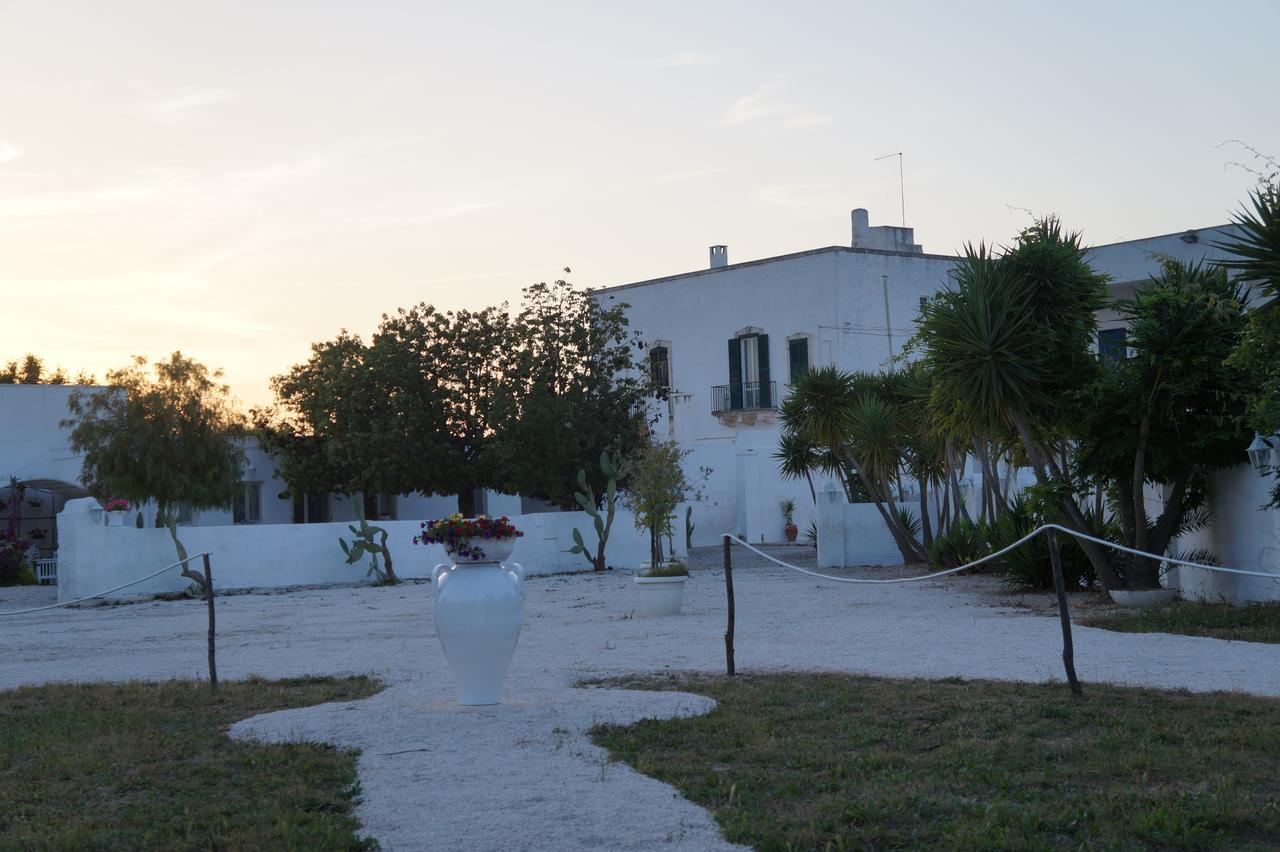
[203, 580]
[1068, 653]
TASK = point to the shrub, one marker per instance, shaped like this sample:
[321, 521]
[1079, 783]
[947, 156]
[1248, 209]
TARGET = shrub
[15, 570]
[963, 542]
[1029, 566]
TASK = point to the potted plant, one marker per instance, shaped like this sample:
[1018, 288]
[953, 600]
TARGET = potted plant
[115, 509]
[788, 519]
[479, 602]
[656, 485]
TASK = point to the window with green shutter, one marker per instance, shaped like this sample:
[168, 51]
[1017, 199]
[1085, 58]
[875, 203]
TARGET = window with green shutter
[798, 352]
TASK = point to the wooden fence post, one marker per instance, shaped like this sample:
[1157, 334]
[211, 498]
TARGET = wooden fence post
[1060, 586]
[728, 587]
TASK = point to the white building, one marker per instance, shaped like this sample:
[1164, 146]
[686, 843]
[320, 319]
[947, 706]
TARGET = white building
[726, 340]
[35, 451]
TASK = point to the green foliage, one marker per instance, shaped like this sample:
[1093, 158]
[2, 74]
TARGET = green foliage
[603, 521]
[370, 540]
[1256, 262]
[788, 508]
[570, 390]
[673, 567]
[656, 484]
[688, 528]
[1012, 337]
[449, 402]
[166, 434]
[31, 371]
[15, 569]
[1029, 567]
[961, 543]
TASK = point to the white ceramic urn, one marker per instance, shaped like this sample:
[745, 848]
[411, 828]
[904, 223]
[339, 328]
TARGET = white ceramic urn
[478, 613]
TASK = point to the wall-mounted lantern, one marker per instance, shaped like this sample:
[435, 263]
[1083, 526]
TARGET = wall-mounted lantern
[1260, 452]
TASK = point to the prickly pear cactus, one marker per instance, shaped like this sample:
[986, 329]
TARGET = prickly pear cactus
[603, 521]
[370, 540]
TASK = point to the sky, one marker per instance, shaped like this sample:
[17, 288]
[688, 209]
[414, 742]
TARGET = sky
[240, 179]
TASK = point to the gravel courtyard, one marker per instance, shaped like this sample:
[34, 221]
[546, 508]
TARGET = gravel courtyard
[523, 775]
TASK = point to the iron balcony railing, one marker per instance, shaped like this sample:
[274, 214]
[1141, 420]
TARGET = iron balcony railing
[744, 396]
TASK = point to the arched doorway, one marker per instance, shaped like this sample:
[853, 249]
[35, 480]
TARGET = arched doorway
[29, 515]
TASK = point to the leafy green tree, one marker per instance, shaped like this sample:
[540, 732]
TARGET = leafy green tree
[1256, 262]
[31, 371]
[165, 433]
[1010, 346]
[852, 416]
[656, 485]
[570, 390]
[1173, 412]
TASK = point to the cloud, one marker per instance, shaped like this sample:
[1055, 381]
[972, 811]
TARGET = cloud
[689, 59]
[177, 110]
[9, 151]
[764, 105]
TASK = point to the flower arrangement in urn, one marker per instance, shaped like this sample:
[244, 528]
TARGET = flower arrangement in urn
[479, 539]
[116, 504]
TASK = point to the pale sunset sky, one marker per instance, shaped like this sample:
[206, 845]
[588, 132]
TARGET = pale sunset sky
[239, 179]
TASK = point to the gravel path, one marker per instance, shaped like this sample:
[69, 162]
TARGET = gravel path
[523, 775]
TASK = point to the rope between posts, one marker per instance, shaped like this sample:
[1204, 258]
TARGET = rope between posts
[108, 591]
[1001, 552]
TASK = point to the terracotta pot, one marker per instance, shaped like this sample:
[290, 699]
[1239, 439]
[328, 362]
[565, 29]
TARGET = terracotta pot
[792, 531]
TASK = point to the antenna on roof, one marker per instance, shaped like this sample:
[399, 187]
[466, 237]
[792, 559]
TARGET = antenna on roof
[902, 192]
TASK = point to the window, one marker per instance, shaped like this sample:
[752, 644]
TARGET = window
[311, 508]
[660, 369]
[749, 385]
[1111, 345]
[798, 357]
[247, 506]
[379, 506]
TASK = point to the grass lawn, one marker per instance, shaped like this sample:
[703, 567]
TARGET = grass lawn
[1251, 623]
[149, 766]
[815, 761]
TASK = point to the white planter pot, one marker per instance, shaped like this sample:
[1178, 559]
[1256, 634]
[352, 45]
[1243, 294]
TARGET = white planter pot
[660, 595]
[1146, 599]
[478, 613]
[114, 519]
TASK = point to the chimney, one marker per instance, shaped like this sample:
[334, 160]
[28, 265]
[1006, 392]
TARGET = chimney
[719, 256]
[861, 226]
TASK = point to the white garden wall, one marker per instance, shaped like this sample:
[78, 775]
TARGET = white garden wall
[854, 533]
[94, 558]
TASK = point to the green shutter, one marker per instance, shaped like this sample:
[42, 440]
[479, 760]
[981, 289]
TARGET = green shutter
[762, 352]
[798, 350]
[735, 374]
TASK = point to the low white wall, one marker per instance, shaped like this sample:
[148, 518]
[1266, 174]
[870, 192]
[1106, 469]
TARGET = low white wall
[853, 533]
[93, 558]
[1243, 535]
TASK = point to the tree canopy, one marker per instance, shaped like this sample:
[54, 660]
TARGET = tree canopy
[165, 433]
[449, 402]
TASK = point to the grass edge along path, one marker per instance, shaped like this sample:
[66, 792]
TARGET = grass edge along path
[149, 765]
[1254, 622]
[825, 761]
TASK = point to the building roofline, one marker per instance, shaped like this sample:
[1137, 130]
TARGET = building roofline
[774, 259]
[1163, 236]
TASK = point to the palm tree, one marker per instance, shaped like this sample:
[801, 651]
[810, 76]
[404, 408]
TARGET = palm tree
[797, 457]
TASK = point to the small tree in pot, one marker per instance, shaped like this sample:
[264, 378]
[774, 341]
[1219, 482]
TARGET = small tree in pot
[788, 519]
[656, 485]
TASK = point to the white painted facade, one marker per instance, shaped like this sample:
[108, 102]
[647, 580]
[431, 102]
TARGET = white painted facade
[834, 298]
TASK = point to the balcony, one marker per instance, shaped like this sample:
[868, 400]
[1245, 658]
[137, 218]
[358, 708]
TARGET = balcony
[744, 397]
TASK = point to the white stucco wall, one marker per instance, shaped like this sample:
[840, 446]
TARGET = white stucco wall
[835, 296]
[95, 558]
[854, 533]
